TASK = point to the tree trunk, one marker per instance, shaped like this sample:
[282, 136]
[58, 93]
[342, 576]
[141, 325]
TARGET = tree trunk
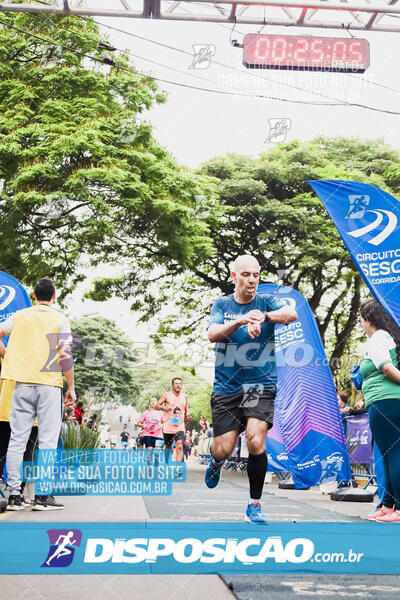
[344, 334]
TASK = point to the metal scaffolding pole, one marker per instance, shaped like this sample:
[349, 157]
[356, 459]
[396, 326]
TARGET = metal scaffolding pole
[356, 15]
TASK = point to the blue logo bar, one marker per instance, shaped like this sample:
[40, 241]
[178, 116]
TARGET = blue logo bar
[185, 547]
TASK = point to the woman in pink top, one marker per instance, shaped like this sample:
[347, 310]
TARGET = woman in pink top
[150, 421]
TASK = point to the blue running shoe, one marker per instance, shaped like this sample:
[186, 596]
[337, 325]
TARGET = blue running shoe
[213, 473]
[254, 513]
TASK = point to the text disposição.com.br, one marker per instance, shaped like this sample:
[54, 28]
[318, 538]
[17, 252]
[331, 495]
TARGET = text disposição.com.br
[212, 550]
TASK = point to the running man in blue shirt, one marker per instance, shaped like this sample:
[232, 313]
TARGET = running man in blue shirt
[242, 325]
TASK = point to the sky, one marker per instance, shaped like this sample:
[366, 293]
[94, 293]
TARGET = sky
[196, 125]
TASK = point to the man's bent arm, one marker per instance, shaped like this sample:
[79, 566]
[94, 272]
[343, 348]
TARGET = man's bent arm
[283, 316]
[218, 332]
[161, 403]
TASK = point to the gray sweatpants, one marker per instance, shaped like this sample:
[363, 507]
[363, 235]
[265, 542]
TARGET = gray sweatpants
[28, 402]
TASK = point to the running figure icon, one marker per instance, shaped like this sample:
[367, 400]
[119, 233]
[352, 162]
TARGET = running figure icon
[62, 549]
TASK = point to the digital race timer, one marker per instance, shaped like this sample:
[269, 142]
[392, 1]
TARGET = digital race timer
[305, 53]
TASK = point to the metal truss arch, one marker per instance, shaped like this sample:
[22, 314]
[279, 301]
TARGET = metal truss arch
[356, 15]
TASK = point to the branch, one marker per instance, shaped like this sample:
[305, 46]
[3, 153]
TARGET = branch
[323, 326]
[344, 334]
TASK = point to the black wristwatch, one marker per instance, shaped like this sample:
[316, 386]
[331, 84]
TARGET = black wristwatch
[266, 317]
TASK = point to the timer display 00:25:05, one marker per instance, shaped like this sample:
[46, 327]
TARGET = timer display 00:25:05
[302, 50]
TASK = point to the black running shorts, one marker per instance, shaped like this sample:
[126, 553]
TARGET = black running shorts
[231, 411]
[180, 436]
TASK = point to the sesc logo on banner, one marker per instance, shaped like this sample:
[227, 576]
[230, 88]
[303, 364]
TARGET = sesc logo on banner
[13, 297]
[7, 295]
[382, 217]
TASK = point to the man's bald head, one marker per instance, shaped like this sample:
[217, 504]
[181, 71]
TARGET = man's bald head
[246, 275]
[243, 262]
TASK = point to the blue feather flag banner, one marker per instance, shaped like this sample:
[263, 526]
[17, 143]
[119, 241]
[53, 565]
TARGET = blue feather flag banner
[13, 297]
[307, 438]
[367, 219]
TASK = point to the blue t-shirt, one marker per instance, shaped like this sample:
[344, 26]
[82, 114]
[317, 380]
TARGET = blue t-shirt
[240, 361]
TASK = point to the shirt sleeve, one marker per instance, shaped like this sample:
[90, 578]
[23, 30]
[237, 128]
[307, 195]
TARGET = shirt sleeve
[7, 325]
[379, 349]
[65, 335]
[217, 313]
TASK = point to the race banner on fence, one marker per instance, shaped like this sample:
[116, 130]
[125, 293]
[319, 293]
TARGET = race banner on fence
[359, 439]
[367, 219]
[306, 406]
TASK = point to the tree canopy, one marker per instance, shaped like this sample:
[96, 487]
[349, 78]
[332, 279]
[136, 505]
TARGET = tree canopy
[82, 175]
[104, 361]
[264, 206]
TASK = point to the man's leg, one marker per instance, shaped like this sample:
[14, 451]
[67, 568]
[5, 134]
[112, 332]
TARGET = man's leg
[22, 417]
[168, 440]
[49, 412]
[221, 448]
[179, 451]
[29, 453]
[5, 433]
[256, 432]
[227, 419]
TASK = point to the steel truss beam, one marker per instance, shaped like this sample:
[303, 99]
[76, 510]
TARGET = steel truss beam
[356, 15]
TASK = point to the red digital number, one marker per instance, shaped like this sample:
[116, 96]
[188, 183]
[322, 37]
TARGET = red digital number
[356, 54]
[339, 52]
[279, 53]
[300, 54]
[262, 48]
[317, 53]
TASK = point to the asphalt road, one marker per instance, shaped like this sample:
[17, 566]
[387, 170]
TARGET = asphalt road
[192, 501]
